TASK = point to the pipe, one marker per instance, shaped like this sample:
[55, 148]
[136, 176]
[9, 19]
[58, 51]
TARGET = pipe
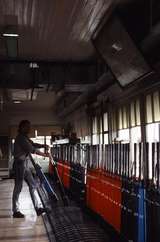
[104, 82]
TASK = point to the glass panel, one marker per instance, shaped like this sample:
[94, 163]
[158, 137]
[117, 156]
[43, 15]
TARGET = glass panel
[156, 106]
[149, 109]
[101, 138]
[95, 139]
[96, 126]
[125, 121]
[152, 135]
[105, 120]
[120, 119]
[123, 135]
[106, 139]
[114, 122]
[138, 112]
[135, 138]
[93, 125]
[153, 132]
[101, 130]
[136, 134]
[133, 122]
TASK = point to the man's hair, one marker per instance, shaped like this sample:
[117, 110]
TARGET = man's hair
[22, 124]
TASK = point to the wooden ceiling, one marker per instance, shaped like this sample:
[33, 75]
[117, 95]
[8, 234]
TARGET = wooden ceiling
[53, 29]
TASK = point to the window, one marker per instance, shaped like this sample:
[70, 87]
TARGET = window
[135, 134]
[153, 138]
[129, 131]
[123, 124]
[132, 114]
[95, 135]
[156, 101]
[149, 109]
[120, 118]
[123, 135]
[153, 107]
[105, 122]
[135, 113]
[129, 122]
[153, 132]
[105, 128]
[100, 129]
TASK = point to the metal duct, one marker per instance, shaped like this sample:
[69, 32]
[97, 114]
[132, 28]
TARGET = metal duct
[104, 81]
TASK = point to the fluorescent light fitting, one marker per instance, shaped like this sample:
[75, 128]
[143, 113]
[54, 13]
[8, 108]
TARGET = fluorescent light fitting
[17, 102]
[10, 35]
[33, 65]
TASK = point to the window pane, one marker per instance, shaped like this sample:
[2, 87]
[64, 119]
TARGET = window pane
[153, 135]
[120, 119]
[133, 121]
[156, 106]
[123, 135]
[105, 120]
[125, 121]
[138, 112]
[101, 139]
[101, 130]
[95, 139]
[153, 132]
[149, 109]
[114, 122]
[136, 134]
[94, 125]
[106, 139]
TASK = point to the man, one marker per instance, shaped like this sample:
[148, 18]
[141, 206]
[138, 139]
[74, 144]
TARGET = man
[23, 147]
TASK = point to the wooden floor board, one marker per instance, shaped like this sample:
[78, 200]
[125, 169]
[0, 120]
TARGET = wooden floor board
[29, 229]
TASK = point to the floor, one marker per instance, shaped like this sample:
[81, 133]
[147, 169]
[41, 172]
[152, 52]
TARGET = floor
[30, 229]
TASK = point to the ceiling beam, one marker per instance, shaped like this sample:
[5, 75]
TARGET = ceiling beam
[54, 75]
[48, 62]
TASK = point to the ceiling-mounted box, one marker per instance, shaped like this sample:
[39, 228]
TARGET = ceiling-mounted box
[121, 54]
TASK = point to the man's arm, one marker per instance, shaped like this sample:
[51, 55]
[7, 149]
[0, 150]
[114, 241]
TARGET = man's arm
[38, 152]
[28, 147]
[39, 146]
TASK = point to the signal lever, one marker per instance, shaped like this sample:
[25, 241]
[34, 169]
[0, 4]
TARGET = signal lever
[44, 179]
[61, 187]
